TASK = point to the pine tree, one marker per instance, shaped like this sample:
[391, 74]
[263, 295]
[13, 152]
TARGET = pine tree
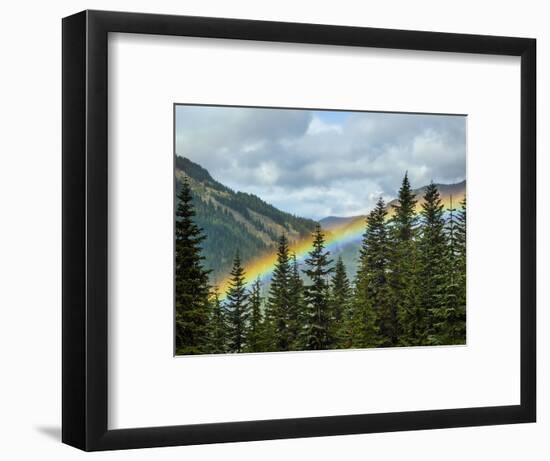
[192, 290]
[450, 318]
[236, 299]
[432, 256]
[361, 328]
[409, 322]
[279, 301]
[218, 326]
[254, 333]
[461, 251]
[317, 319]
[373, 297]
[297, 306]
[350, 326]
[340, 296]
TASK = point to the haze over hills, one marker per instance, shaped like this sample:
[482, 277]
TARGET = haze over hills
[237, 221]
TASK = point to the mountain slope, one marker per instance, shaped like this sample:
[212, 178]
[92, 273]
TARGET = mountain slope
[235, 221]
[332, 222]
[457, 191]
[349, 249]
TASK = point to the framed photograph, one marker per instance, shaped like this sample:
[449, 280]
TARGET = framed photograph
[278, 230]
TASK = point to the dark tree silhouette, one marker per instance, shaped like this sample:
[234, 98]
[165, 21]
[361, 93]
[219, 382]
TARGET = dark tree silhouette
[373, 286]
[192, 290]
[409, 322]
[340, 297]
[432, 256]
[254, 331]
[297, 305]
[279, 300]
[218, 326]
[236, 305]
[317, 319]
[450, 318]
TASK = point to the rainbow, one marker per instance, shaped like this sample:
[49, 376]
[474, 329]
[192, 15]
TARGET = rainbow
[337, 236]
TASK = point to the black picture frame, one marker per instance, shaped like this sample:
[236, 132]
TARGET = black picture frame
[85, 219]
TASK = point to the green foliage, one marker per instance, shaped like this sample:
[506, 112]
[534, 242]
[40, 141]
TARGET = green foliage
[218, 326]
[254, 330]
[411, 322]
[198, 173]
[297, 305]
[340, 304]
[317, 317]
[279, 300]
[373, 288]
[460, 233]
[226, 236]
[450, 317]
[233, 221]
[236, 305]
[192, 290]
[362, 329]
[243, 202]
[432, 256]
[409, 288]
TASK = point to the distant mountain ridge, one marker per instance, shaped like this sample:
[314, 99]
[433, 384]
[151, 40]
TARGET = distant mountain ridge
[456, 190]
[330, 222]
[446, 191]
[349, 250]
[235, 221]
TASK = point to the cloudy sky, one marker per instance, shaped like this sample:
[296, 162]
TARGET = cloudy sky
[321, 163]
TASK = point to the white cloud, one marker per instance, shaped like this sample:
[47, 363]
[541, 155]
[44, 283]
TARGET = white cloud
[255, 146]
[267, 173]
[317, 126]
[312, 164]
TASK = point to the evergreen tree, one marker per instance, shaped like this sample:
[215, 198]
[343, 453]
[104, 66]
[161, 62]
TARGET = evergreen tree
[407, 316]
[296, 306]
[361, 328]
[404, 218]
[192, 290]
[450, 318]
[218, 326]
[350, 327]
[317, 319]
[236, 299]
[432, 256]
[279, 300]
[340, 296]
[461, 251]
[254, 333]
[373, 294]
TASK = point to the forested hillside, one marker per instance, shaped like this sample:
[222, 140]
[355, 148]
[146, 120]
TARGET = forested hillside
[235, 220]
[409, 287]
